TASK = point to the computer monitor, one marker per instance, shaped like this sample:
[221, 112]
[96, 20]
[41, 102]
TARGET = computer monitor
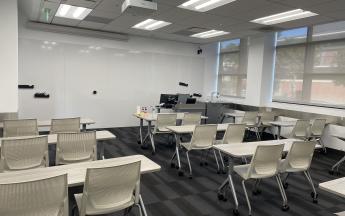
[182, 98]
[191, 101]
[168, 100]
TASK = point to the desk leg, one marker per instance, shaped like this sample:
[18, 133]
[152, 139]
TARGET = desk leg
[84, 127]
[279, 131]
[229, 181]
[178, 140]
[337, 165]
[140, 140]
[101, 150]
[151, 137]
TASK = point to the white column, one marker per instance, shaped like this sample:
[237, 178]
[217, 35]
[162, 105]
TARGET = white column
[8, 56]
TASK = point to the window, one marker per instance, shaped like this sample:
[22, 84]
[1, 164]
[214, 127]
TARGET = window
[312, 70]
[232, 76]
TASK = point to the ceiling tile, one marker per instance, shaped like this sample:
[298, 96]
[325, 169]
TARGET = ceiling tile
[110, 5]
[91, 25]
[105, 14]
[82, 3]
[65, 21]
[303, 4]
[304, 22]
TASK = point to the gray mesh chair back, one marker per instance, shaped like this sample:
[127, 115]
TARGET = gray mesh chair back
[265, 161]
[250, 118]
[110, 189]
[22, 127]
[66, 125]
[234, 133]
[21, 154]
[76, 147]
[191, 119]
[40, 197]
[300, 155]
[164, 120]
[301, 129]
[203, 137]
[317, 127]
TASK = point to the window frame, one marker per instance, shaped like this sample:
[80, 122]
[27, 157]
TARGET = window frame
[307, 76]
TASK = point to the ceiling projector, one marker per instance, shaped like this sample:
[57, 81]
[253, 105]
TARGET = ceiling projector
[139, 7]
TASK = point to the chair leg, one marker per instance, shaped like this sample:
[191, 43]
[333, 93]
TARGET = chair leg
[222, 161]
[285, 183]
[215, 157]
[172, 159]
[285, 206]
[314, 195]
[247, 198]
[153, 143]
[256, 190]
[142, 207]
[190, 167]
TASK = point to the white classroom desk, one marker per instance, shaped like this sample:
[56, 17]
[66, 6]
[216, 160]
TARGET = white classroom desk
[188, 129]
[237, 114]
[280, 124]
[52, 139]
[337, 187]
[337, 165]
[47, 123]
[76, 172]
[149, 118]
[245, 149]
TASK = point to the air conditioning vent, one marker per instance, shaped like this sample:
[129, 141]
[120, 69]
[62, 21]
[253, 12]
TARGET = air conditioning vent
[190, 31]
[269, 29]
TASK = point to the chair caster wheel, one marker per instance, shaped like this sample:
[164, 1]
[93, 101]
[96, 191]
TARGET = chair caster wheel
[201, 164]
[139, 142]
[180, 173]
[172, 165]
[190, 177]
[153, 153]
[331, 172]
[315, 200]
[206, 164]
[218, 172]
[285, 185]
[235, 212]
[220, 196]
[256, 192]
[143, 147]
[313, 195]
[285, 207]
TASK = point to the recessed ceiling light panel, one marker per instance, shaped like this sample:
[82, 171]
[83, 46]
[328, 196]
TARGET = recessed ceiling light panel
[204, 5]
[72, 12]
[210, 34]
[151, 24]
[284, 17]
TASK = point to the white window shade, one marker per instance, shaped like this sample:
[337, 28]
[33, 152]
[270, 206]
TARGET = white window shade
[232, 74]
[312, 72]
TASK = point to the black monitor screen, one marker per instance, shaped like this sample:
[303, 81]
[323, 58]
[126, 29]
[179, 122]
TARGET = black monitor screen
[168, 99]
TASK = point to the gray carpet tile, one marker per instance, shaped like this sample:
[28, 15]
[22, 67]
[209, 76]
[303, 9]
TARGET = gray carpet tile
[167, 194]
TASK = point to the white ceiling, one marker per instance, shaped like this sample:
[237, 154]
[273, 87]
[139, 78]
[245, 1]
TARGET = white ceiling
[233, 17]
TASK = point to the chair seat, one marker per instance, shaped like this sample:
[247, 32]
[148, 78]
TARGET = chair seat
[187, 146]
[42, 211]
[283, 167]
[91, 210]
[242, 170]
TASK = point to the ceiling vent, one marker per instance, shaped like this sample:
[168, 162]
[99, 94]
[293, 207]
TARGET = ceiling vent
[190, 31]
[139, 7]
[269, 29]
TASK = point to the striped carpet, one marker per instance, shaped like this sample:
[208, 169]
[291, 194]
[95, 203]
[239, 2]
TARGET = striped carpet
[167, 194]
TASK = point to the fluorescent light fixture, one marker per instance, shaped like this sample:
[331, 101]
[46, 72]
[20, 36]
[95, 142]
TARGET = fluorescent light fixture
[209, 34]
[204, 5]
[151, 24]
[284, 17]
[72, 12]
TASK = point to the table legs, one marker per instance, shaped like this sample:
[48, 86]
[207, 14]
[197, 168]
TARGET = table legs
[177, 155]
[101, 150]
[84, 127]
[229, 182]
[336, 166]
[279, 132]
[140, 141]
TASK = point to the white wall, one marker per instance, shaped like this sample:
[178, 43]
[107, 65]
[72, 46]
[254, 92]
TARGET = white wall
[9, 56]
[125, 74]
